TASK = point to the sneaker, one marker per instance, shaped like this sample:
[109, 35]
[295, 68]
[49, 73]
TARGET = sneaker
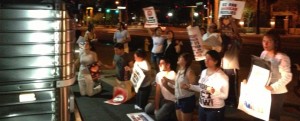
[137, 107]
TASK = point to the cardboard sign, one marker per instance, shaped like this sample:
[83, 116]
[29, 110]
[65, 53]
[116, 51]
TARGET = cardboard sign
[255, 99]
[196, 39]
[137, 78]
[142, 116]
[233, 8]
[151, 19]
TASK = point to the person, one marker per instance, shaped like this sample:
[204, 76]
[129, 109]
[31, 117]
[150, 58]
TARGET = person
[90, 37]
[202, 31]
[213, 88]
[211, 40]
[170, 50]
[164, 105]
[280, 72]
[232, 43]
[185, 99]
[145, 88]
[122, 36]
[157, 49]
[121, 59]
[87, 84]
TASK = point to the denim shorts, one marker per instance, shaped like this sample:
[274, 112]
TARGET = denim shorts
[186, 105]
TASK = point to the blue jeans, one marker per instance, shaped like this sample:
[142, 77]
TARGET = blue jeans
[155, 57]
[211, 114]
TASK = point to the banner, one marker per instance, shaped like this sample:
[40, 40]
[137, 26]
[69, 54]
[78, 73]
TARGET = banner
[151, 19]
[255, 99]
[234, 8]
[137, 78]
[142, 116]
[196, 40]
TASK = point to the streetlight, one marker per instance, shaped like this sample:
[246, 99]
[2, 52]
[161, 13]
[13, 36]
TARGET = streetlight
[242, 23]
[170, 14]
[117, 2]
[196, 14]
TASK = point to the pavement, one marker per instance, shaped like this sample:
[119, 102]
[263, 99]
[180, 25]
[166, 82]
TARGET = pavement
[291, 111]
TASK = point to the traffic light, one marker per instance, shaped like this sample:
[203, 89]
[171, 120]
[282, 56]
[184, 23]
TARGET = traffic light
[107, 10]
[117, 11]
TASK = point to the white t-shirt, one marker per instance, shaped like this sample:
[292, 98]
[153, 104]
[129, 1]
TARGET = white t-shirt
[165, 92]
[219, 81]
[120, 36]
[146, 68]
[158, 43]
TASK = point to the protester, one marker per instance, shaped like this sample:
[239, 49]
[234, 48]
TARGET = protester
[164, 105]
[202, 31]
[213, 88]
[170, 51]
[91, 37]
[122, 36]
[157, 49]
[280, 72]
[211, 40]
[88, 85]
[232, 43]
[121, 59]
[185, 99]
[145, 89]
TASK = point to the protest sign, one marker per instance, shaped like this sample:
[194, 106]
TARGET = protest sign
[196, 39]
[234, 8]
[122, 93]
[255, 99]
[137, 78]
[142, 116]
[151, 19]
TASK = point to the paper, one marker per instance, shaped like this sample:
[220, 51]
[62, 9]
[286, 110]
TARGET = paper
[139, 117]
[151, 19]
[137, 78]
[196, 39]
[233, 8]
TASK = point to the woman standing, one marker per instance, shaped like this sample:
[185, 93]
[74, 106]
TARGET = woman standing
[170, 50]
[145, 88]
[157, 49]
[185, 99]
[280, 71]
[87, 85]
[213, 88]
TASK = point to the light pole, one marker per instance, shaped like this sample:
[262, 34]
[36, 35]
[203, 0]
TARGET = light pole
[170, 14]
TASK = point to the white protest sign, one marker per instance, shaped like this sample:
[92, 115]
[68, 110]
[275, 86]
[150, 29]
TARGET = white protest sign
[234, 8]
[151, 19]
[142, 116]
[255, 99]
[137, 78]
[196, 39]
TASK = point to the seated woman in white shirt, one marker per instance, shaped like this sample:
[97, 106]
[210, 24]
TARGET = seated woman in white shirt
[164, 105]
[213, 88]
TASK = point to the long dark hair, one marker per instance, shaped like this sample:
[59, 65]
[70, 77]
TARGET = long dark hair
[188, 59]
[275, 37]
[90, 27]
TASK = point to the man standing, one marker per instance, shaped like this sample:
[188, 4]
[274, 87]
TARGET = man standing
[122, 36]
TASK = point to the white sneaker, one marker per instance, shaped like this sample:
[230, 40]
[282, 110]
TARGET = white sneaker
[137, 107]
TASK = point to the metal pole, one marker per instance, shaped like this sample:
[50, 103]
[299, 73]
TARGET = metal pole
[257, 16]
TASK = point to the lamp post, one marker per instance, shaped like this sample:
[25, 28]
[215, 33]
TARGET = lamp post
[170, 14]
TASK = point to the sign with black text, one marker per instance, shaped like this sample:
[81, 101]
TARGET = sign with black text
[233, 8]
[137, 78]
[196, 39]
[151, 19]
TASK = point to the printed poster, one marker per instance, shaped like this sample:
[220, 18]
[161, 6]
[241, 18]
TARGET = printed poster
[142, 116]
[255, 99]
[121, 93]
[137, 77]
[151, 19]
[196, 40]
[234, 8]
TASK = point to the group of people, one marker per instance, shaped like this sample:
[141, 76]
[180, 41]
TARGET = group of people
[176, 82]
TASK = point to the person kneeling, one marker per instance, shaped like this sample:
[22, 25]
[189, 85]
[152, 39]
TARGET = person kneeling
[163, 107]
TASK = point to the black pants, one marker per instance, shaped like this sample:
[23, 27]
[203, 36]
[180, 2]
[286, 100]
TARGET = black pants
[233, 87]
[142, 96]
